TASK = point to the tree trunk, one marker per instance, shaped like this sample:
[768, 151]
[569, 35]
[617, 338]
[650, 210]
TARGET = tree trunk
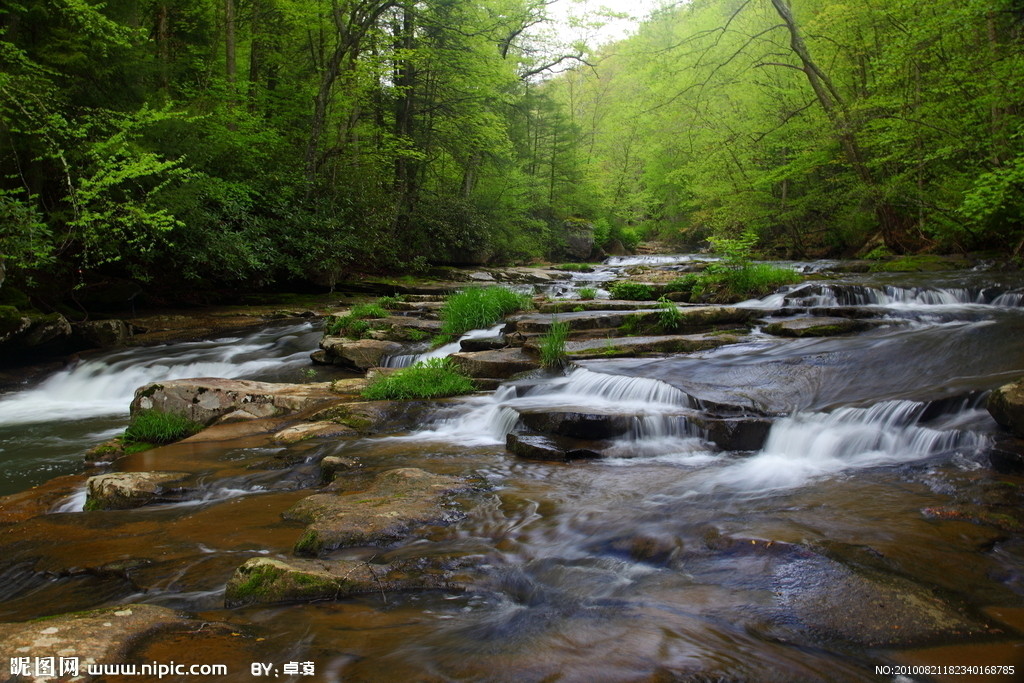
[230, 62]
[835, 108]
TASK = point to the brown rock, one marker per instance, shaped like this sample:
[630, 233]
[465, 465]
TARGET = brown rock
[396, 502]
[1006, 405]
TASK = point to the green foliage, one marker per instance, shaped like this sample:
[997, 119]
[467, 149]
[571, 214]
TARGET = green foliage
[371, 310]
[914, 264]
[754, 280]
[576, 267]
[736, 252]
[669, 316]
[552, 345]
[155, 427]
[588, 293]
[879, 253]
[432, 378]
[391, 302]
[632, 291]
[480, 307]
[346, 326]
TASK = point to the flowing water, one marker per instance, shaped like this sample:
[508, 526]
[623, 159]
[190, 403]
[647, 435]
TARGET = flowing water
[668, 559]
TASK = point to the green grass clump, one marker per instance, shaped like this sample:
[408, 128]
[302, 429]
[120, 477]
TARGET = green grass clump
[432, 378]
[154, 427]
[552, 345]
[576, 267]
[391, 302]
[757, 279]
[632, 291]
[669, 316]
[365, 311]
[471, 309]
[588, 293]
[917, 263]
[345, 326]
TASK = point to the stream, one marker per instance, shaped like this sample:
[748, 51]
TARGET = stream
[669, 559]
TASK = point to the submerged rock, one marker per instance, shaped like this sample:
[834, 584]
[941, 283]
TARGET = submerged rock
[123, 490]
[816, 327]
[207, 399]
[396, 502]
[580, 425]
[1006, 405]
[616, 347]
[551, 448]
[99, 636]
[263, 580]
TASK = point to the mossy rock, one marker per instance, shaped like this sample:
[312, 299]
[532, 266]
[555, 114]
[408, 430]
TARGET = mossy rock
[917, 263]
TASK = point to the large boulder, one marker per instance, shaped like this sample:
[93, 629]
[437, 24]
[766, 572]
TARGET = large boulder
[360, 354]
[99, 636]
[579, 240]
[122, 490]
[209, 399]
[396, 502]
[102, 333]
[577, 424]
[264, 580]
[1006, 405]
[20, 332]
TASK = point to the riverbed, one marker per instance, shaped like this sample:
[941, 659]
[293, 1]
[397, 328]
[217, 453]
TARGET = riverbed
[869, 529]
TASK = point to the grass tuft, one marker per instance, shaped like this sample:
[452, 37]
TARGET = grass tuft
[472, 309]
[552, 345]
[154, 427]
[432, 378]
[588, 293]
[669, 316]
[631, 291]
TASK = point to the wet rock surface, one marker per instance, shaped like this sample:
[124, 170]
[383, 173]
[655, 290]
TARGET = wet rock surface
[552, 448]
[498, 363]
[359, 354]
[1006, 405]
[208, 399]
[816, 327]
[263, 580]
[394, 504]
[100, 636]
[123, 490]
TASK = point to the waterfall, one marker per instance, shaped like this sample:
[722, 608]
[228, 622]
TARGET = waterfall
[105, 385]
[406, 359]
[807, 446]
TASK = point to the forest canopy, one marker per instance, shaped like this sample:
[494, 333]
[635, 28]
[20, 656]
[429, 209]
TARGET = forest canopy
[260, 142]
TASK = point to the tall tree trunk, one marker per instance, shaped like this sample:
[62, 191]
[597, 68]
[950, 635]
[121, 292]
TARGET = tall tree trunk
[835, 108]
[230, 47]
[163, 44]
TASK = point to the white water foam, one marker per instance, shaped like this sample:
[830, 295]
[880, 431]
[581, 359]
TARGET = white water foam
[486, 420]
[105, 386]
[809, 446]
[406, 359]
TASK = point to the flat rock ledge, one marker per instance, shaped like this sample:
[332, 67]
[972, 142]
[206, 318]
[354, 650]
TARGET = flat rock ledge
[210, 399]
[263, 580]
[817, 327]
[1006, 405]
[124, 490]
[100, 636]
[388, 510]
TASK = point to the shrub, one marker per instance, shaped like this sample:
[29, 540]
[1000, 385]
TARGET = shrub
[552, 344]
[471, 309]
[155, 427]
[575, 267]
[432, 378]
[587, 293]
[633, 291]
